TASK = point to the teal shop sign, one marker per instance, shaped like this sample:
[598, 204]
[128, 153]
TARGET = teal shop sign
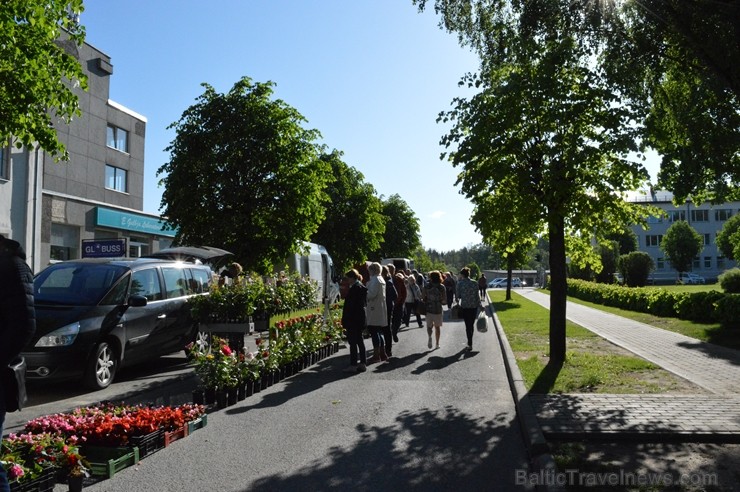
[132, 222]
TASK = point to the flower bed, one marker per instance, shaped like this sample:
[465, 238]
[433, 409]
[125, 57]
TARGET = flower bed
[114, 425]
[98, 440]
[29, 459]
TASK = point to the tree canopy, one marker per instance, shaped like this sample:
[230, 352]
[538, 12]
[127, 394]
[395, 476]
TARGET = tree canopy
[354, 224]
[681, 244]
[39, 70]
[728, 239]
[244, 175]
[543, 146]
[401, 236]
[676, 63]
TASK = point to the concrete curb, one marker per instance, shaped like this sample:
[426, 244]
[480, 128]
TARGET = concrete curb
[541, 461]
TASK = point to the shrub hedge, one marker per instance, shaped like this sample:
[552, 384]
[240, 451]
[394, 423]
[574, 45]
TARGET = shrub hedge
[703, 307]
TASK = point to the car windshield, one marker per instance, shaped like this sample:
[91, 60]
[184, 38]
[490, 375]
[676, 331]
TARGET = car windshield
[75, 284]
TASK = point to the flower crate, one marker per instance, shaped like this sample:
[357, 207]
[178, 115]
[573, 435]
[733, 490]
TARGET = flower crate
[148, 443]
[198, 423]
[172, 436]
[106, 462]
[43, 483]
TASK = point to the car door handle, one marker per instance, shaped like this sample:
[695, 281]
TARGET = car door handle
[162, 316]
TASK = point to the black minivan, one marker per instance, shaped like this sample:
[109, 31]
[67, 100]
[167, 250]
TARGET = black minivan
[96, 315]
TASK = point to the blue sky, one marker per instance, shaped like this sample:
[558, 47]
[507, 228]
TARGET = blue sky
[370, 75]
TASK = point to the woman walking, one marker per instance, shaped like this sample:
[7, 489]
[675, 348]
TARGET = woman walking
[434, 296]
[467, 294]
[413, 298]
[354, 320]
[376, 312]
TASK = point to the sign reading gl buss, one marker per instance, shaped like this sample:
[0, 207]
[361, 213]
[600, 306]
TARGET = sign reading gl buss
[103, 248]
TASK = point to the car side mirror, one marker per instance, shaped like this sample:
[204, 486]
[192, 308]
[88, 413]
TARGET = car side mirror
[137, 301]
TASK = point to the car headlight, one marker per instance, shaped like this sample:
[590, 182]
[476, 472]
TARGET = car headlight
[61, 337]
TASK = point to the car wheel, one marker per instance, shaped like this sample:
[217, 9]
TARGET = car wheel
[202, 342]
[102, 367]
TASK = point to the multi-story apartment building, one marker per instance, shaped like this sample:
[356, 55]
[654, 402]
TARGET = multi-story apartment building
[705, 218]
[93, 203]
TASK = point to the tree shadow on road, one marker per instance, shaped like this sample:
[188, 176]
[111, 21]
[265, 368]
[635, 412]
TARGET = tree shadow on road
[429, 450]
[547, 377]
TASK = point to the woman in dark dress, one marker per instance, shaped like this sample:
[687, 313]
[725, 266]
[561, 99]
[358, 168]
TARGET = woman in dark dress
[354, 320]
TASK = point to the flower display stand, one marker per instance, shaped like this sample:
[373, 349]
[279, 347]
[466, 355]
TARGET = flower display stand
[106, 462]
[43, 483]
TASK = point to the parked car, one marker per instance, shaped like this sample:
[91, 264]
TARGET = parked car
[497, 282]
[692, 278]
[93, 316]
[517, 282]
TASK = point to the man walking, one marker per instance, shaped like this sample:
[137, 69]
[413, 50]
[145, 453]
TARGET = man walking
[17, 316]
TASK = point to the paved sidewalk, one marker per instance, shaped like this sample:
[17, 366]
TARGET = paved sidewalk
[657, 418]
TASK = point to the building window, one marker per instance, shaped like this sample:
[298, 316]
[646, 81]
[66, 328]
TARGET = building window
[660, 262]
[117, 138]
[655, 220]
[65, 242]
[700, 216]
[116, 179]
[4, 163]
[707, 239]
[653, 239]
[696, 263]
[720, 263]
[722, 214]
[676, 215]
[707, 262]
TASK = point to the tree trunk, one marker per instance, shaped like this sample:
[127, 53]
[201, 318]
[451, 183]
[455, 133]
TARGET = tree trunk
[508, 281]
[558, 289]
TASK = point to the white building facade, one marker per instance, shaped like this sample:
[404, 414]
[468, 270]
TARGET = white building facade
[707, 219]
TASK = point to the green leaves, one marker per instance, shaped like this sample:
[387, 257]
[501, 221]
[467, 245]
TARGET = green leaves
[39, 73]
[245, 175]
[681, 244]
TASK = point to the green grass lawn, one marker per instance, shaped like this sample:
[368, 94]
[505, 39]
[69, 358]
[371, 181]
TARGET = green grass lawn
[592, 363]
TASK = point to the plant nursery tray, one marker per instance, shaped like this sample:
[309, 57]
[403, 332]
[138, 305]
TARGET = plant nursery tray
[148, 443]
[106, 462]
[174, 435]
[198, 423]
[43, 483]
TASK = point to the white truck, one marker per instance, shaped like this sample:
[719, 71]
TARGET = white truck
[318, 265]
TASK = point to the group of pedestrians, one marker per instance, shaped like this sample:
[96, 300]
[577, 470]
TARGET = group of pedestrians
[388, 298]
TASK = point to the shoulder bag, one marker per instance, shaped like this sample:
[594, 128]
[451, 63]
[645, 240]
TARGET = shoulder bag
[455, 311]
[481, 324]
[14, 384]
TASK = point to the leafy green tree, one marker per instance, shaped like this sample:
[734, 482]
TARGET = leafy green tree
[39, 70]
[676, 62]
[244, 175]
[354, 222]
[401, 237]
[609, 253]
[545, 141]
[635, 268]
[626, 240]
[728, 239]
[681, 244]
[475, 270]
[679, 61]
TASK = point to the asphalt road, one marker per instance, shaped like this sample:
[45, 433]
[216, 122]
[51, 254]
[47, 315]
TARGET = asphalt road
[429, 420]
